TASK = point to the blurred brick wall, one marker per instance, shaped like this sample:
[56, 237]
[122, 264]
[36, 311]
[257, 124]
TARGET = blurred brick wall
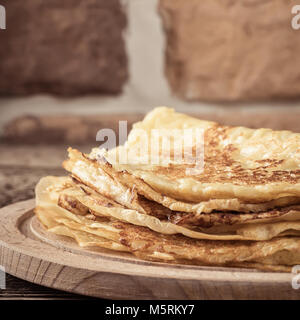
[231, 50]
[68, 47]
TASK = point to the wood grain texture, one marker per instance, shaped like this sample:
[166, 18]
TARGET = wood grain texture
[17, 289]
[18, 183]
[30, 253]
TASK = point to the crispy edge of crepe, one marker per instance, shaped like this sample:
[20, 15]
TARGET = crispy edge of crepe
[79, 201]
[85, 168]
[149, 245]
[75, 199]
[278, 254]
[175, 184]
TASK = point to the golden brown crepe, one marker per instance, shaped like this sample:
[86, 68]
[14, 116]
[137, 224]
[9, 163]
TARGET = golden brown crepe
[278, 254]
[251, 165]
[82, 201]
[242, 209]
[125, 188]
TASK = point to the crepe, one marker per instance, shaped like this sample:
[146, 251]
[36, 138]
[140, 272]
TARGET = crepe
[238, 206]
[133, 193]
[278, 254]
[250, 165]
[124, 188]
[82, 200]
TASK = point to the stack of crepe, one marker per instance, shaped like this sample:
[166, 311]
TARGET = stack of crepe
[241, 210]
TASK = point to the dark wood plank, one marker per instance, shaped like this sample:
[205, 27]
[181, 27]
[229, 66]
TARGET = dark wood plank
[78, 129]
[18, 183]
[20, 289]
[21, 167]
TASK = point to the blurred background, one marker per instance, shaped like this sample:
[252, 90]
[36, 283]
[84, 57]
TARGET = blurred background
[69, 68]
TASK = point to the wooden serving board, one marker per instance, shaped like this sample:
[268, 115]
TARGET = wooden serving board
[27, 251]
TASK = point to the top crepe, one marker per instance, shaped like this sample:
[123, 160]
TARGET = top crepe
[250, 165]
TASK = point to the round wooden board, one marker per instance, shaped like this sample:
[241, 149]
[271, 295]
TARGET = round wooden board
[27, 251]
